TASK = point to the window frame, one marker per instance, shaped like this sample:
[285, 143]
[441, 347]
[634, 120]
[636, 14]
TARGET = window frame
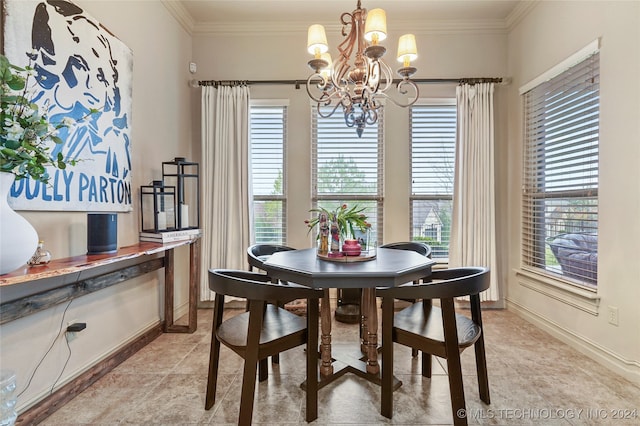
[334, 199]
[415, 196]
[261, 198]
[576, 190]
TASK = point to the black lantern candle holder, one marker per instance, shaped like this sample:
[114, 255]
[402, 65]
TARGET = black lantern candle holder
[185, 176]
[158, 207]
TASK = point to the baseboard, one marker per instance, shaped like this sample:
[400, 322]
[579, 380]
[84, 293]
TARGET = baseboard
[628, 369]
[61, 396]
[182, 310]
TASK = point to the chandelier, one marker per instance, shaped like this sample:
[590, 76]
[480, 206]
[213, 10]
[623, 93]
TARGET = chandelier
[359, 85]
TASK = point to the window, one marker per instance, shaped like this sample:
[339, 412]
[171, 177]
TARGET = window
[560, 181]
[347, 168]
[268, 124]
[433, 141]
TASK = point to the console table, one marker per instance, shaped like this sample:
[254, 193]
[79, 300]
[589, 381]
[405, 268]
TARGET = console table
[32, 289]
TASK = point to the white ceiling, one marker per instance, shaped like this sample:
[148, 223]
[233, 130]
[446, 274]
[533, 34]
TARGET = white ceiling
[202, 14]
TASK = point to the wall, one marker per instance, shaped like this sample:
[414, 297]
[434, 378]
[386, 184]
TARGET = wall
[161, 130]
[549, 34]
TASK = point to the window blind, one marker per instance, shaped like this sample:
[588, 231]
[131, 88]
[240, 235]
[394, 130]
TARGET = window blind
[433, 138]
[560, 182]
[267, 138]
[347, 168]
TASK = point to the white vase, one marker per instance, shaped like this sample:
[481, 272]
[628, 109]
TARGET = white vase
[18, 239]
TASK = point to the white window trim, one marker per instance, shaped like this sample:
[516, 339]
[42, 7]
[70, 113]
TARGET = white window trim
[441, 262]
[285, 193]
[583, 299]
[558, 69]
[269, 102]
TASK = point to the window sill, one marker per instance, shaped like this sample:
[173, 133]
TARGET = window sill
[585, 300]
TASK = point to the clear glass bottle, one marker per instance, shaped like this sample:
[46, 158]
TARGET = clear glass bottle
[8, 413]
[41, 256]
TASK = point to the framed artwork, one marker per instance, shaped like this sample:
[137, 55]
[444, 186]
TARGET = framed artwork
[78, 66]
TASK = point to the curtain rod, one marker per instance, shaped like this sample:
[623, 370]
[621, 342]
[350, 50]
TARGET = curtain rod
[298, 83]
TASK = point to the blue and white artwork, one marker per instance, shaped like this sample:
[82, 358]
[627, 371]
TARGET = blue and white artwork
[79, 65]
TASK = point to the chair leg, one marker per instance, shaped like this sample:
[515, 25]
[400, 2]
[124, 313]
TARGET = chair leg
[426, 365]
[386, 399]
[248, 390]
[427, 305]
[214, 354]
[256, 314]
[454, 367]
[263, 370]
[312, 360]
[481, 357]
[275, 359]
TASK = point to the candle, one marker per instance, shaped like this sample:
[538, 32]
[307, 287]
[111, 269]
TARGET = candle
[162, 220]
[184, 216]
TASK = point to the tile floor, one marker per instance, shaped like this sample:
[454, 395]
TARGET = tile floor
[534, 379]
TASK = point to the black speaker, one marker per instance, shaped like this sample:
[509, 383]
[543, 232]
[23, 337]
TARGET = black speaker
[102, 233]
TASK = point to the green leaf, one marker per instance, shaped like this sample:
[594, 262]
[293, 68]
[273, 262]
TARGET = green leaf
[11, 144]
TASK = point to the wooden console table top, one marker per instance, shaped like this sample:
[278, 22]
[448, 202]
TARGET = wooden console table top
[31, 289]
[74, 264]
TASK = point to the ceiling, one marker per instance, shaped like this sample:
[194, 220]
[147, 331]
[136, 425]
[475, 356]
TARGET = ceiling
[207, 14]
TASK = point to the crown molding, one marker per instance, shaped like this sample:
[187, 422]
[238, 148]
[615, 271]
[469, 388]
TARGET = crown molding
[419, 27]
[178, 11]
[522, 9]
[422, 27]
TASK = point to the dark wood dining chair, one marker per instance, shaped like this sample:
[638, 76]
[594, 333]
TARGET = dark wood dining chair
[417, 246]
[439, 331]
[425, 250]
[262, 331]
[257, 254]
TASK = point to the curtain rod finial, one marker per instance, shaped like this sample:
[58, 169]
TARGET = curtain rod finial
[194, 83]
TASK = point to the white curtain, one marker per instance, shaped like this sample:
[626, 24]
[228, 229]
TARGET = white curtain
[225, 186]
[473, 227]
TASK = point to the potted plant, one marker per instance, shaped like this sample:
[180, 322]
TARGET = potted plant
[26, 139]
[344, 222]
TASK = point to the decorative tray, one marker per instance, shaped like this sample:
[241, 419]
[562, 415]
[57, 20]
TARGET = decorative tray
[348, 259]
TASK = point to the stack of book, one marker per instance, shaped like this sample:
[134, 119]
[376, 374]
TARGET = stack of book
[170, 236]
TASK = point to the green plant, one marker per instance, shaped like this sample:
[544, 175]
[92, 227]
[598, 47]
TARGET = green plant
[26, 135]
[348, 219]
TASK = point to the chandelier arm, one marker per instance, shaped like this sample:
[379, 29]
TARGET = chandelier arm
[319, 86]
[405, 84]
[372, 116]
[386, 75]
[402, 90]
[335, 107]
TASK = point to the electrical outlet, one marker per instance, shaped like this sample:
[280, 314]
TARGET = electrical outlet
[613, 315]
[72, 335]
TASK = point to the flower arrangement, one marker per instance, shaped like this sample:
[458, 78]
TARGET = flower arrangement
[26, 131]
[348, 219]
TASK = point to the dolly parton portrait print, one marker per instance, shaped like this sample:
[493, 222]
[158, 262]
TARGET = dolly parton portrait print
[79, 66]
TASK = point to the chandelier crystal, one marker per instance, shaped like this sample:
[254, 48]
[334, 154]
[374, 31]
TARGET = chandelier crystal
[359, 84]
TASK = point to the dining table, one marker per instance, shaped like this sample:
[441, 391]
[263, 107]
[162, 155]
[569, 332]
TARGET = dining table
[381, 267]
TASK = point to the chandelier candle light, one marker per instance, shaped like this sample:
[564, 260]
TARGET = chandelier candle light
[357, 85]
